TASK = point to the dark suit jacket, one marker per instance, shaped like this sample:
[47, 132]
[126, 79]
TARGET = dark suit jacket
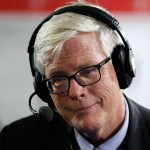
[31, 133]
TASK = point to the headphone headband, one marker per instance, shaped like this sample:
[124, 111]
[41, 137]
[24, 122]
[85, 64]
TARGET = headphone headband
[90, 11]
[93, 12]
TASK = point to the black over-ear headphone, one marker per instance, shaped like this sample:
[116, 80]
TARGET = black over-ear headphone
[122, 56]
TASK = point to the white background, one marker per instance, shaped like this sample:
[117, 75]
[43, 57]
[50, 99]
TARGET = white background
[15, 76]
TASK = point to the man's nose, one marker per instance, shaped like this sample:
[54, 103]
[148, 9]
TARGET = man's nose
[76, 91]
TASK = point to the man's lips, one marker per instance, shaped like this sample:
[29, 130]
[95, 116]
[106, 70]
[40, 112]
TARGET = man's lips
[84, 108]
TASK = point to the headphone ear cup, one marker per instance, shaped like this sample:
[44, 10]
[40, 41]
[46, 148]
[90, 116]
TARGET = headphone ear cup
[121, 63]
[41, 89]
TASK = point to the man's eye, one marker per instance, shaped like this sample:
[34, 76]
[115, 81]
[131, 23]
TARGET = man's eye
[58, 81]
[88, 71]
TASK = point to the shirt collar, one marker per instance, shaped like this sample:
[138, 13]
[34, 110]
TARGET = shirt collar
[111, 144]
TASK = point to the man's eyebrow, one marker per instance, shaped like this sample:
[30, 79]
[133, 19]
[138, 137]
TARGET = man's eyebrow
[54, 73]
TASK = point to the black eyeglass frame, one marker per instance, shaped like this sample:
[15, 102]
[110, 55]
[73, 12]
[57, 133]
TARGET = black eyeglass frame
[98, 66]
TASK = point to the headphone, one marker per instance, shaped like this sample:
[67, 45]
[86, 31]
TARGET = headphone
[122, 55]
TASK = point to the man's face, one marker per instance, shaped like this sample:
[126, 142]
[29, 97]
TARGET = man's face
[87, 108]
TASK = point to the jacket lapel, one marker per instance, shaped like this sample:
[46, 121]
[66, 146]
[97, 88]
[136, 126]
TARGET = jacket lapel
[136, 133]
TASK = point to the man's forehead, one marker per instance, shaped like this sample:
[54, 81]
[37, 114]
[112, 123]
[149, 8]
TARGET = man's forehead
[78, 52]
[70, 67]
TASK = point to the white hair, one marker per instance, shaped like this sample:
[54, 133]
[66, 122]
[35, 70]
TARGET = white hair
[53, 33]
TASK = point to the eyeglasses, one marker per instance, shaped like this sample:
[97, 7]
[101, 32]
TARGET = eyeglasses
[84, 77]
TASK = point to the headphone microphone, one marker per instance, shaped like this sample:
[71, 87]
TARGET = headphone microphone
[45, 112]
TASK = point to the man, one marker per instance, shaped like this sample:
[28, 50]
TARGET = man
[80, 62]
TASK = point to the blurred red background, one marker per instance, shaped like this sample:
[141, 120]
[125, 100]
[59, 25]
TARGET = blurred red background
[142, 6]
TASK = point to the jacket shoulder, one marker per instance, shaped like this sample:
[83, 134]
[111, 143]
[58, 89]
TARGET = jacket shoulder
[32, 133]
[140, 110]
